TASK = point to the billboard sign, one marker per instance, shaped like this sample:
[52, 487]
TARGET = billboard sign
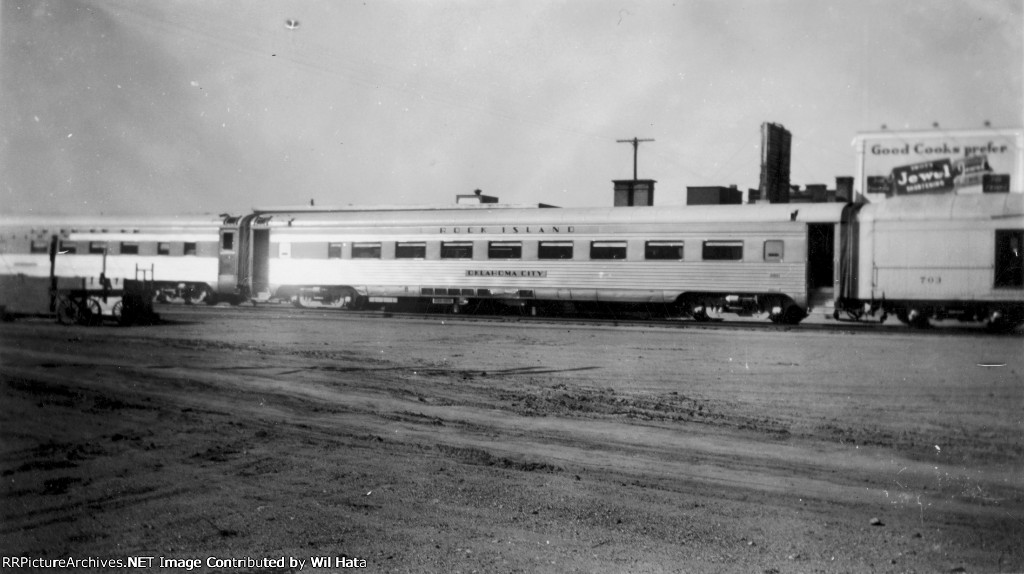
[952, 161]
[929, 176]
[995, 183]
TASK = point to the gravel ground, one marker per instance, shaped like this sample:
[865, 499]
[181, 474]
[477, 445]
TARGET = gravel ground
[255, 441]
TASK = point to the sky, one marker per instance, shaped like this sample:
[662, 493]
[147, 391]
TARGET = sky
[176, 107]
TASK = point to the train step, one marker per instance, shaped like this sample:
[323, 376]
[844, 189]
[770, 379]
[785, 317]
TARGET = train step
[821, 298]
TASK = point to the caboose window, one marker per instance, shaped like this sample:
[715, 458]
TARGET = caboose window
[722, 251]
[554, 250]
[774, 250]
[97, 247]
[334, 250]
[40, 246]
[607, 249]
[670, 250]
[366, 251]
[505, 250]
[68, 247]
[1009, 258]
[227, 241]
[411, 250]
[129, 248]
[190, 248]
[457, 250]
[163, 248]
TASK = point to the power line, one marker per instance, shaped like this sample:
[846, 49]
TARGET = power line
[636, 145]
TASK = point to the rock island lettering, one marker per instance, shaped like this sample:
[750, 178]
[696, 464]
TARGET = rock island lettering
[511, 229]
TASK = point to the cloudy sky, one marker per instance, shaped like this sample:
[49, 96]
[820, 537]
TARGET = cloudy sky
[189, 106]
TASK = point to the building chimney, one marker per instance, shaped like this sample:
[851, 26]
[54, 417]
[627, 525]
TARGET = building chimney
[844, 188]
[631, 192]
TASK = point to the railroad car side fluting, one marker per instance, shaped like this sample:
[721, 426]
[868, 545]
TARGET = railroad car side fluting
[696, 260]
[178, 254]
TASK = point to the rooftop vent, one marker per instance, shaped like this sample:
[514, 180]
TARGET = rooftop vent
[477, 198]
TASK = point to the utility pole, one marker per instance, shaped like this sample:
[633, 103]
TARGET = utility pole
[636, 144]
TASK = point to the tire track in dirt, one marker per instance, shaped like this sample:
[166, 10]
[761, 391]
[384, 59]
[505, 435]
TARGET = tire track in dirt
[518, 455]
[725, 457]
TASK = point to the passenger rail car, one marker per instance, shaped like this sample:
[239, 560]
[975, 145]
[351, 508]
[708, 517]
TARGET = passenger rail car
[916, 257]
[180, 255]
[773, 259]
[936, 257]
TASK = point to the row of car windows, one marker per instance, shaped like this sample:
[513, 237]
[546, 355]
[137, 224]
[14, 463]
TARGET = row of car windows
[101, 247]
[606, 250]
[731, 250]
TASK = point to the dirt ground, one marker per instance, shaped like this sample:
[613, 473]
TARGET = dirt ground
[257, 440]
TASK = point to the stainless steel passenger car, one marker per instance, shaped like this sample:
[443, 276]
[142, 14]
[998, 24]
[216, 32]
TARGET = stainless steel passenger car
[179, 254]
[696, 260]
[916, 257]
[936, 257]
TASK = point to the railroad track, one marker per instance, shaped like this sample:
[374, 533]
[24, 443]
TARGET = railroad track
[270, 311]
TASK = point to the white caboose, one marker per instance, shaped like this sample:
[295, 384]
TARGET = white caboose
[936, 256]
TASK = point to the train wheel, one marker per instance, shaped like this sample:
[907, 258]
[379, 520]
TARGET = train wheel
[201, 294]
[700, 314]
[915, 319]
[90, 313]
[1003, 324]
[791, 315]
[198, 294]
[357, 302]
[67, 311]
[341, 298]
[131, 311]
